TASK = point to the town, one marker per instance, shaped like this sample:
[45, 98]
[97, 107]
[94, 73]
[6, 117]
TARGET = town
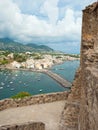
[33, 60]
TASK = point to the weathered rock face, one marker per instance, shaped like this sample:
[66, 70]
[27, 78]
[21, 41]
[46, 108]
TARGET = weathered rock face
[89, 70]
[81, 111]
[70, 114]
[25, 126]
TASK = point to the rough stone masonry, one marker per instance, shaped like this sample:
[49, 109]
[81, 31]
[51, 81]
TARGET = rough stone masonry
[81, 111]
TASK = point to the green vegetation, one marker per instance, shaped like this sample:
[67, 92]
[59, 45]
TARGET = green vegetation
[21, 95]
[20, 57]
[73, 55]
[4, 53]
[38, 57]
[58, 57]
[4, 62]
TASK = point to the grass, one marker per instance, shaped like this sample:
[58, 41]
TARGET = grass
[21, 95]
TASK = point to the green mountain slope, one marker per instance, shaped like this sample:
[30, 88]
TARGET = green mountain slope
[10, 45]
[40, 47]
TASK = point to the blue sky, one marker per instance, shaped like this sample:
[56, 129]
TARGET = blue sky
[56, 23]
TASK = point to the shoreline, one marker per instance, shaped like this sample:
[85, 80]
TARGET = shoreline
[59, 79]
[63, 62]
[35, 70]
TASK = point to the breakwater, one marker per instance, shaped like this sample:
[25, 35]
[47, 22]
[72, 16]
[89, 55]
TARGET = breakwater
[63, 82]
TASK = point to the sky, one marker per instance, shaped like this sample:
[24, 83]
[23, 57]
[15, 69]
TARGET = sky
[56, 23]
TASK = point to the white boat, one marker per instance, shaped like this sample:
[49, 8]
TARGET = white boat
[1, 87]
[11, 82]
[12, 89]
[2, 83]
[38, 79]
[40, 90]
[8, 85]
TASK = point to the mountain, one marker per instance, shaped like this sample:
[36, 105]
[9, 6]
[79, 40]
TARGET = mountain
[39, 47]
[10, 45]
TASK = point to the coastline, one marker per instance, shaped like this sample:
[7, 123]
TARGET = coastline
[35, 70]
[63, 82]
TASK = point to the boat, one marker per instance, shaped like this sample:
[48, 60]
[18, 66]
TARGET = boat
[2, 83]
[38, 79]
[40, 90]
[1, 87]
[12, 89]
[11, 82]
[8, 85]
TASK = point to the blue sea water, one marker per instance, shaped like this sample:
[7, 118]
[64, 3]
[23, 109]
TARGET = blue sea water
[67, 69]
[12, 82]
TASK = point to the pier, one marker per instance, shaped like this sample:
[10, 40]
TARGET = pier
[63, 82]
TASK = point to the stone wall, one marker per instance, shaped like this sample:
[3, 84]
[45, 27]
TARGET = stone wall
[38, 99]
[70, 114]
[81, 109]
[89, 69]
[24, 126]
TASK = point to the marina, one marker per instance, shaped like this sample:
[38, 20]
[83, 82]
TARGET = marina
[38, 82]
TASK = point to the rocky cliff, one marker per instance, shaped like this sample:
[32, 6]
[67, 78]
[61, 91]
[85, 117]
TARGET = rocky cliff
[81, 109]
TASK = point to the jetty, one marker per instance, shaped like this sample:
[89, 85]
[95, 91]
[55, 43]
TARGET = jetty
[63, 82]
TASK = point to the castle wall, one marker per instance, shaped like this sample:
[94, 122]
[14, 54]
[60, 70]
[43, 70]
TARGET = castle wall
[24, 126]
[81, 111]
[88, 119]
[38, 99]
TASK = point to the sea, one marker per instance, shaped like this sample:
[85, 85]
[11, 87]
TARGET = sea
[15, 81]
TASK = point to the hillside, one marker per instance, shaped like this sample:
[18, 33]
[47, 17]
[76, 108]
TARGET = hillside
[10, 45]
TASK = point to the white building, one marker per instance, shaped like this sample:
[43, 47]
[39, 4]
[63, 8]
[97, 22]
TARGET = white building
[38, 66]
[30, 63]
[28, 53]
[15, 64]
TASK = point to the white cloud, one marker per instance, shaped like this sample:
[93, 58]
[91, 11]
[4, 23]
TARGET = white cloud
[51, 10]
[23, 27]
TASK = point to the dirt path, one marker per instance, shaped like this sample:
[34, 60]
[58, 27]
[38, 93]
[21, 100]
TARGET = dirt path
[48, 113]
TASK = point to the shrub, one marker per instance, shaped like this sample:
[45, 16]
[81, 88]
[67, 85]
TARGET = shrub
[38, 57]
[21, 95]
[58, 57]
[3, 62]
[19, 58]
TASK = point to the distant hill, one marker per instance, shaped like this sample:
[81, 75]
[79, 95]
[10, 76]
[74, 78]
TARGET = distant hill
[10, 45]
[40, 47]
